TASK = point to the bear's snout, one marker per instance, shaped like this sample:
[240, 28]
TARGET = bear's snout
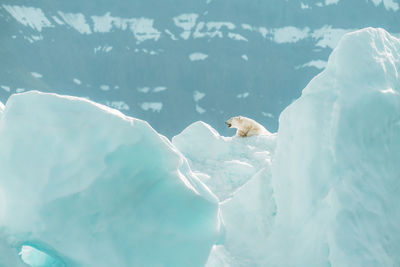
[229, 125]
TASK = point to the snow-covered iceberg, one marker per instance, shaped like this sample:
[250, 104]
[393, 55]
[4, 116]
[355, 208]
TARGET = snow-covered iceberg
[89, 186]
[336, 176]
[238, 171]
[83, 185]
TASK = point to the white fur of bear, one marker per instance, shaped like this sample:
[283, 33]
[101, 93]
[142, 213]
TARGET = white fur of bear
[246, 127]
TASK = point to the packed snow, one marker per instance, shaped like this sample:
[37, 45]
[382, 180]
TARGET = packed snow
[82, 184]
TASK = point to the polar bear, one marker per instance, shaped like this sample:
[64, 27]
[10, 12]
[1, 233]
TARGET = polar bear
[246, 127]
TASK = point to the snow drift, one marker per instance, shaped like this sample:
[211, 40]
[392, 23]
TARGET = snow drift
[88, 186]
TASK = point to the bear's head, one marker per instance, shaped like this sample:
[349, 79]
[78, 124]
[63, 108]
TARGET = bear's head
[234, 122]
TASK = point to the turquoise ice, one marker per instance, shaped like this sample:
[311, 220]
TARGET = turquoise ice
[91, 187]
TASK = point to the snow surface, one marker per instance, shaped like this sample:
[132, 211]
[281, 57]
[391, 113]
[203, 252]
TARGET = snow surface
[83, 185]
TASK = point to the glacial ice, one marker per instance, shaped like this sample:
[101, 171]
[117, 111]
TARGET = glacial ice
[83, 185]
[238, 171]
[89, 186]
[335, 172]
[331, 197]
[336, 175]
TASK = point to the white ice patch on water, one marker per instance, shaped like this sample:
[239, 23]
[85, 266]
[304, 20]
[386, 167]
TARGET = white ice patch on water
[104, 49]
[186, 22]
[243, 95]
[304, 6]
[143, 89]
[331, 2]
[76, 81]
[212, 29]
[388, 4]
[199, 109]
[267, 114]
[142, 28]
[290, 34]
[319, 64]
[153, 106]
[328, 36]
[171, 35]
[159, 89]
[105, 87]
[105, 23]
[33, 38]
[5, 88]
[245, 57]
[236, 37]
[76, 21]
[197, 96]
[36, 75]
[29, 16]
[197, 56]
[58, 21]
[262, 30]
[247, 27]
[20, 90]
[120, 105]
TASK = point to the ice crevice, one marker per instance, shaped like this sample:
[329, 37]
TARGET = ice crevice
[82, 184]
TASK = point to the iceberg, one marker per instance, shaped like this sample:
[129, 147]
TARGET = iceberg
[88, 186]
[238, 171]
[82, 184]
[334, 175]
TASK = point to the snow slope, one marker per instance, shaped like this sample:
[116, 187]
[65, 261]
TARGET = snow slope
[92, 187]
